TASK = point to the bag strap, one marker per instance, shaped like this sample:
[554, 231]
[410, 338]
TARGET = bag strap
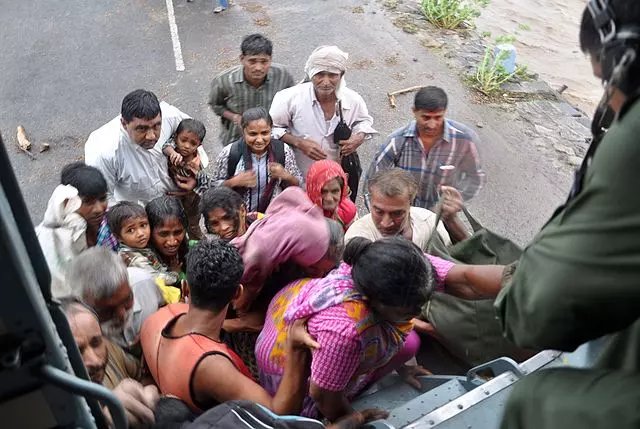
[278, 151]
[235, 153]
[475, 225]
[340, 111]
[435, 225]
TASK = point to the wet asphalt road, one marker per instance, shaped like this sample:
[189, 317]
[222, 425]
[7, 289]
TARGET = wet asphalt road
[66, 65]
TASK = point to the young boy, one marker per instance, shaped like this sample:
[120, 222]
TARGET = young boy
[129, 223]
[184, 160]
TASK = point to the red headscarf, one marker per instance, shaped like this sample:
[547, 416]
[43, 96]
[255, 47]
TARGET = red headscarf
[322, 172]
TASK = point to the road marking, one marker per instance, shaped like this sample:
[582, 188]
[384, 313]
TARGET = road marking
[175, 39]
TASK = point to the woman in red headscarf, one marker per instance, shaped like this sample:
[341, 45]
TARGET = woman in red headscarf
[327, 188]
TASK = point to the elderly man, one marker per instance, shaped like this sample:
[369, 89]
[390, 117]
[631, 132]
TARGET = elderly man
[253, 83]
[122, 297]
[109, 365]
[306, 115]
[390, 194]
[435, 150]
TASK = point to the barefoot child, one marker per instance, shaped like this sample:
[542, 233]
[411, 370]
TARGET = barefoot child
[129, 223]
[184, 160]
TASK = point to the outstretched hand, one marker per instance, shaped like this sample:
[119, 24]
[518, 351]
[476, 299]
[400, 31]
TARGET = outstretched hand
[175, 158]
[409, 375]
[452, 201]
[357, 419]
[299, 336]
[138, 402]
[186, 183]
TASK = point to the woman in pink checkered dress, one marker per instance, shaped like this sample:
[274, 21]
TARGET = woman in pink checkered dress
[360, 313]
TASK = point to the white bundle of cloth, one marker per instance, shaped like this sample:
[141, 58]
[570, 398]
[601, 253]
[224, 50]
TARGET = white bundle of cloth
[62, 235]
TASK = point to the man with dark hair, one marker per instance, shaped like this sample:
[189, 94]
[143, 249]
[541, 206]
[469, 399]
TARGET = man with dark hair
[128, 149]
[225, 213]
[578, 280]
[190, 337]
[253, 83]
[438, 152]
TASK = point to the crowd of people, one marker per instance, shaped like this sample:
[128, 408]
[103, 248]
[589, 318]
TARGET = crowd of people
[266, 304]
[293, 302]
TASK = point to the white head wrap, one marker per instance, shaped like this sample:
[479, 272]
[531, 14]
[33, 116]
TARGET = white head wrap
[326, 58]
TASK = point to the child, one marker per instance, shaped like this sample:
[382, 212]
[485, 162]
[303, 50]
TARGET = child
[168, 225]
[184, 160]
[129, 223]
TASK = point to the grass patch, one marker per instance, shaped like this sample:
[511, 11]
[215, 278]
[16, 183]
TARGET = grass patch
[390, 4]
[452, 14]
[491, 73]
[407, 24]
[357, 9]
[524, 27]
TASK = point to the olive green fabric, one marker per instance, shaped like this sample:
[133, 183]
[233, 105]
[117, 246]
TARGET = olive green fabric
[574, 398]
[578, 280]
[468, 329]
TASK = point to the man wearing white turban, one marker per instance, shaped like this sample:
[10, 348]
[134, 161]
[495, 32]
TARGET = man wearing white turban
[305, 116]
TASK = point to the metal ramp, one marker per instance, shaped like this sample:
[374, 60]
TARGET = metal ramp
[457, 402]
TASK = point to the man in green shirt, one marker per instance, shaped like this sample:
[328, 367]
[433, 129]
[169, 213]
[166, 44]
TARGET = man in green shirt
[253, 83]
[579, 279]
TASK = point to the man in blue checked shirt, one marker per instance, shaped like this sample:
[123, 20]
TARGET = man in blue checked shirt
[439, 153]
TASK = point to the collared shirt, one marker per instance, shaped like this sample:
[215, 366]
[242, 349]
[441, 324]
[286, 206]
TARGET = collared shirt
[105, 237]
[133, 173]
[457, 147]
[422, 223]
[296, 110]
[230, 91]
[260, 165]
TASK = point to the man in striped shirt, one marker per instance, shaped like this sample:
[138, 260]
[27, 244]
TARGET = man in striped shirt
[253, 83]
[436, 151]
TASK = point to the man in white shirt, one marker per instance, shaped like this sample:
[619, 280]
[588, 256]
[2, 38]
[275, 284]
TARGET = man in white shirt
[305, 116]
[390, 195]
[128, 149]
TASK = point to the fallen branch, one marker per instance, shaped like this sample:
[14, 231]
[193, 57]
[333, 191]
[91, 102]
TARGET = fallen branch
[392, 95]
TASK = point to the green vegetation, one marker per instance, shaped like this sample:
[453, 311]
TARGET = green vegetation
[452, 14]
[491, 73]
[524, 27]
[486, 34]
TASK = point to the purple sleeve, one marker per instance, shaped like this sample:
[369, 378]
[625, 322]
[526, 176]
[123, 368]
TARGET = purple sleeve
[442, 267]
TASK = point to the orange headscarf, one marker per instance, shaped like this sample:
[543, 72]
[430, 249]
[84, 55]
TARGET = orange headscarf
[320, 173]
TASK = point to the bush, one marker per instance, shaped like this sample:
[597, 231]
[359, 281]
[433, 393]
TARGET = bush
[491, 73]
[451, 14]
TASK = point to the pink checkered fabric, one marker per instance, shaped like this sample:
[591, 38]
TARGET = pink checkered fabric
[333, 366]
[442, 267]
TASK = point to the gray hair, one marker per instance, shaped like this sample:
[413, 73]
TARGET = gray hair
[97, 272]
[336, 240]
[71, 306]
[394, 182]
